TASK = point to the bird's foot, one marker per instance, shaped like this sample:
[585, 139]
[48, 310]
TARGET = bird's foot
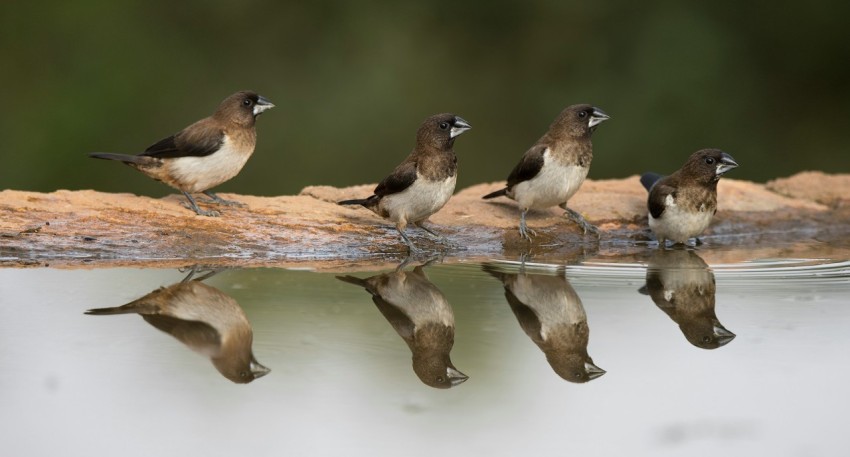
[202, 212]
[582, 223]
[214, 198]
[526, 233]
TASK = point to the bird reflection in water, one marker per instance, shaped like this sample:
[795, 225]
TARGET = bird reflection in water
[203, 318]
[551, 314]
[682, 285]
[420, 314]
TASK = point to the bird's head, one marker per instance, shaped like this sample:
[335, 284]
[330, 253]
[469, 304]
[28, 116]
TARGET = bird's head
[708, 165]
[437, 371]
[242, 108]
[440, 130]
[579, 120]
[240, 370]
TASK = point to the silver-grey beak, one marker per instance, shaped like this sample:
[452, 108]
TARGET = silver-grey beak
[263, 104]
[459, 126]
[258, 370]
[726, 163]
[723, 336]
[593, 371]
[597, 117]
[455, 376]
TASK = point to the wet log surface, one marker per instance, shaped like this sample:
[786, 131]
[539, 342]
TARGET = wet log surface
[805, 215]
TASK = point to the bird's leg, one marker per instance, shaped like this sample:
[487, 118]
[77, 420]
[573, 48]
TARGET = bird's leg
[523, 228]
[216, 199]
[410, 245]
[404, 263]
[580, 221]
[194, 206]
[431, 232]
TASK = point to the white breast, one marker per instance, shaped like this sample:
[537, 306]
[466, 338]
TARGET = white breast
[419, 201]
[555, 184]
[197, 174]
[420, 300]
[679, 225]
[551, 297]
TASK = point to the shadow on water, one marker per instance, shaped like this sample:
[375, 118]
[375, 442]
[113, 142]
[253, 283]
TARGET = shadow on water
[550, 312]
[205, 319]
[421, 315]
[682, 285]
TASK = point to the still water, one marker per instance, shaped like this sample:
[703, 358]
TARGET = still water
[663, 357]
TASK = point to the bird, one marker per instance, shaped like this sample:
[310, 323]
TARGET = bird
[421, 315]
[423, 182]
[203, 318]
[681, 205]
[550, 312]
[682, 285]
[554, 168]
[204, 154]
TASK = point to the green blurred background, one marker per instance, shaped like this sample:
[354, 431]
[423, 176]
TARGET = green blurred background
[767, 82]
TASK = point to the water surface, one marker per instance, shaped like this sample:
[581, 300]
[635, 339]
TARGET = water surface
[739, 359]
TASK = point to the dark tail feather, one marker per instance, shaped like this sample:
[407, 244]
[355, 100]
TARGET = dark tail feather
[357, 201]
[140, 306]
[649, 179]
[498, 193]
[119, 157]
[354, 280]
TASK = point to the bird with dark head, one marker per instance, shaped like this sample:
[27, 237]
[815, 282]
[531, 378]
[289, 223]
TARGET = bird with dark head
[681, 205]
[203, 318]
[550, 312]
[423, 183]
[204, 154]
[682, 285]
[420, 314]
[552, 170]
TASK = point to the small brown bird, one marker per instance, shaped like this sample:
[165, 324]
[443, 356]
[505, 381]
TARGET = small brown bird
[550, 312]
[420, 314]
[555, 167]
[681, 205]
[423, 183]
[203, 318]
[682, 285]
[204, 154]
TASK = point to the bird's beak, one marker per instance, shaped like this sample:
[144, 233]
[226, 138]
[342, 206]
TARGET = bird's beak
[263, 104]
[459, 127]
[593, 371]
[597, 117]
[455, 376]
[258, 370]
[723, 336]
[726, 163]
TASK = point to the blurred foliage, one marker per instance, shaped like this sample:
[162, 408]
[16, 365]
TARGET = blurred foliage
[767, 82]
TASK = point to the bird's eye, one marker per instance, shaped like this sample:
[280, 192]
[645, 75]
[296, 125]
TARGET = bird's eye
[247, 102]
[582, 114]
[709, 160]
[706, 339]
[439, 379]
[444, 125]
[577, 375]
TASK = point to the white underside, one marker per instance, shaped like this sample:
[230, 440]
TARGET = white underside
[198, 174]
[419, 201]
[551, 297]
[678, 225]
[420, 300]
[555, 184]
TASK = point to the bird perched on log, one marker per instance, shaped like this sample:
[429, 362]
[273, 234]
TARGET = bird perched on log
[552, 170]
[681, 205]
[423, 182]
[204, 154]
